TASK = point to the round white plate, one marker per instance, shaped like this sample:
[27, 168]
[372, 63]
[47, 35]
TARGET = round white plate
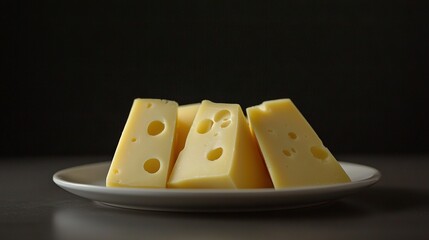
[88, 181]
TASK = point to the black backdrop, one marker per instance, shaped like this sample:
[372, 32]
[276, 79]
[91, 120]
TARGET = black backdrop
[356, 69]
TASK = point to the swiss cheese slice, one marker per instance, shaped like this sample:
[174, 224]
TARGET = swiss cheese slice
[294, 154]
[145, 152]
[220, 152]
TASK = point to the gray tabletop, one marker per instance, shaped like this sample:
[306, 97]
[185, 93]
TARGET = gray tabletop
[33, 207]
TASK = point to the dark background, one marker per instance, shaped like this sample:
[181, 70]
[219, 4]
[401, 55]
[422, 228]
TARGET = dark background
[71, 69]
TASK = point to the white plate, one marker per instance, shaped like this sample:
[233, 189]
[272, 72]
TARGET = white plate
[88, 181]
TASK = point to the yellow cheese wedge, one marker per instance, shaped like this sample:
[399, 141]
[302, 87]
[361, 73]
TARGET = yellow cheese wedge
[219, 152]
[185, 117]
[294, 154]
[145, 152]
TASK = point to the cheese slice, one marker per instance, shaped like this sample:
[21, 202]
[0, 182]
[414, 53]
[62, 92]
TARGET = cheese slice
[294, 154]
[145, 152]
[219, 152]
[185, 117]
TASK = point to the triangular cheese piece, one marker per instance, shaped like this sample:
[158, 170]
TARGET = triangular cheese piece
[220, 152]
[294, 154]
[145, 153]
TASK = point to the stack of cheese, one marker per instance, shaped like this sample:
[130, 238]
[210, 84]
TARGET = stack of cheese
[213, 145]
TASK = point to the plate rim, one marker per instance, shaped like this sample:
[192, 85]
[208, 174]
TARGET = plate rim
[59, 180]
[210, 200]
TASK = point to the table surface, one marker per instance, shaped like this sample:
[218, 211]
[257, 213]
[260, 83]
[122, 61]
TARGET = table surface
[33, 207]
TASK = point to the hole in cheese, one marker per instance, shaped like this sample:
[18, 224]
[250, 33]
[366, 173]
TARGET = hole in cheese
[152, 165]
[292, 135]
[319, 152]
[149, 105]
[115, 171]
[225, 123]
[222, 115]
[215, 154]
[133, 139]
[155, 128]
[204, 126]
[286, 152]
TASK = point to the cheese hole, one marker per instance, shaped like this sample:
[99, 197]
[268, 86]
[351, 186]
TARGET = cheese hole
[149, 105]
[319, 152]
[155, 128]
[225, 124]
[133, 139]
[293, 150]
[286, 152]
[292, 135]
[215, 154]
[204, 126]
[152, 165]
[115, 171]
[222, 115]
